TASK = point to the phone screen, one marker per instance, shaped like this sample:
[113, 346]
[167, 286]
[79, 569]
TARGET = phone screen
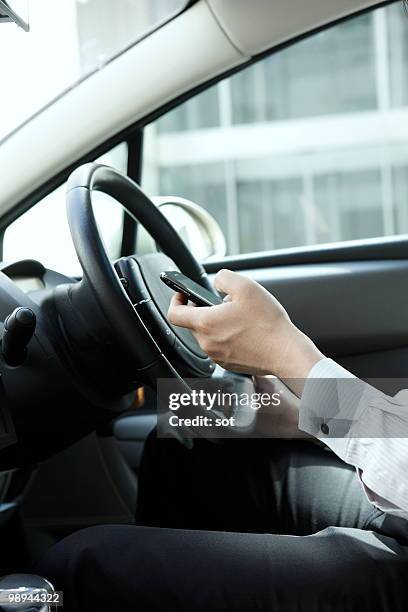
[195, 292]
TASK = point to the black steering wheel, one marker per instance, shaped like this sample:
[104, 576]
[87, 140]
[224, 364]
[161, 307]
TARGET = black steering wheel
[130, 295]
[126, 302]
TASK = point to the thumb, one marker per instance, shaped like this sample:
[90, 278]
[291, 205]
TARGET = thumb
[181, 314]
[230, 282]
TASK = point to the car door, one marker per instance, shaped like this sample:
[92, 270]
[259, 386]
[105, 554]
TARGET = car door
[302, 158]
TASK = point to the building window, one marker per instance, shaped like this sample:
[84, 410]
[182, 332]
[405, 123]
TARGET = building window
[331, 72]
[307, 146]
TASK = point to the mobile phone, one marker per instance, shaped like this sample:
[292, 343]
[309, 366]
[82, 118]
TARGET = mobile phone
[197, 294]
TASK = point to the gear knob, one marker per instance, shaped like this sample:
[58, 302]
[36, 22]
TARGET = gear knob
[25, 593]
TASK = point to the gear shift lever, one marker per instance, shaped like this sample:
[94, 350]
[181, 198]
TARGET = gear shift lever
[26, 593]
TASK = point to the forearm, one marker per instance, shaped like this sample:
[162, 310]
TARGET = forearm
[286, 426]
[299, 355]
[282, 420]
[291, 370]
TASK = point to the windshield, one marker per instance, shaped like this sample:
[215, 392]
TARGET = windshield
[68, 39]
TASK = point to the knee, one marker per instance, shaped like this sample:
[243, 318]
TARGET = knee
[89, 566]
[77, 555]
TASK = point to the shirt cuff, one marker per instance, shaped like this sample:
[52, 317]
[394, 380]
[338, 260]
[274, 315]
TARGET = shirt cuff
[360, 424]
[332, 400]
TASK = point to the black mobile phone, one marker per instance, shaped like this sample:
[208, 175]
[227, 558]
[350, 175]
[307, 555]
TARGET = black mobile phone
[197, 294]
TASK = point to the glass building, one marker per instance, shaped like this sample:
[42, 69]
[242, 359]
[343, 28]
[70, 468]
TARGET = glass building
[307, 146]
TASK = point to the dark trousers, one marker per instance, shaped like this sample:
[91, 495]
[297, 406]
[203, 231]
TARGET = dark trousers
[242, 525]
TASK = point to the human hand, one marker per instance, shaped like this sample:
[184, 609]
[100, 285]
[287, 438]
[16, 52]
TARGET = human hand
[250, 333]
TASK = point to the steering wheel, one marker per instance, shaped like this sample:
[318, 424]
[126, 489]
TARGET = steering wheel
[130, 295]
[128, 298]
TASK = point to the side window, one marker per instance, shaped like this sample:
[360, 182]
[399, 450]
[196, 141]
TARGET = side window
[309, 145]
[42, 233]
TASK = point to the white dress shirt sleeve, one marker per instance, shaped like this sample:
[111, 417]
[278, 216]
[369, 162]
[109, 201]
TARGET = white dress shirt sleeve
[364, 427]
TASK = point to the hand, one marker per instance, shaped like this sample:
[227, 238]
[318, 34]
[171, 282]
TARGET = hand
[251, 332]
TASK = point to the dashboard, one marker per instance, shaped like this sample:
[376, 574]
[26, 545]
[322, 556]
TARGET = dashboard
[66, 379]
[31, 276]
[29, 283]
[34, 280]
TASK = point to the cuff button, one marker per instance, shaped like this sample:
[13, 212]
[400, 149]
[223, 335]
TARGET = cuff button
[324, 428]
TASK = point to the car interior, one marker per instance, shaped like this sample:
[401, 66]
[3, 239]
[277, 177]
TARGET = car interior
[154, 159]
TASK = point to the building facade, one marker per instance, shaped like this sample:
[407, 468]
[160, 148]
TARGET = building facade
[307, 146]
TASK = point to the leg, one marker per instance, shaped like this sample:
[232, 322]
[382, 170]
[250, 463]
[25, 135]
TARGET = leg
[138, 568]
[292, 488]
[275, 486]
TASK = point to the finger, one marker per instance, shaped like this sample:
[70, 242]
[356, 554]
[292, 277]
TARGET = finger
[230, 282]
[182, 315]
[179, 299]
